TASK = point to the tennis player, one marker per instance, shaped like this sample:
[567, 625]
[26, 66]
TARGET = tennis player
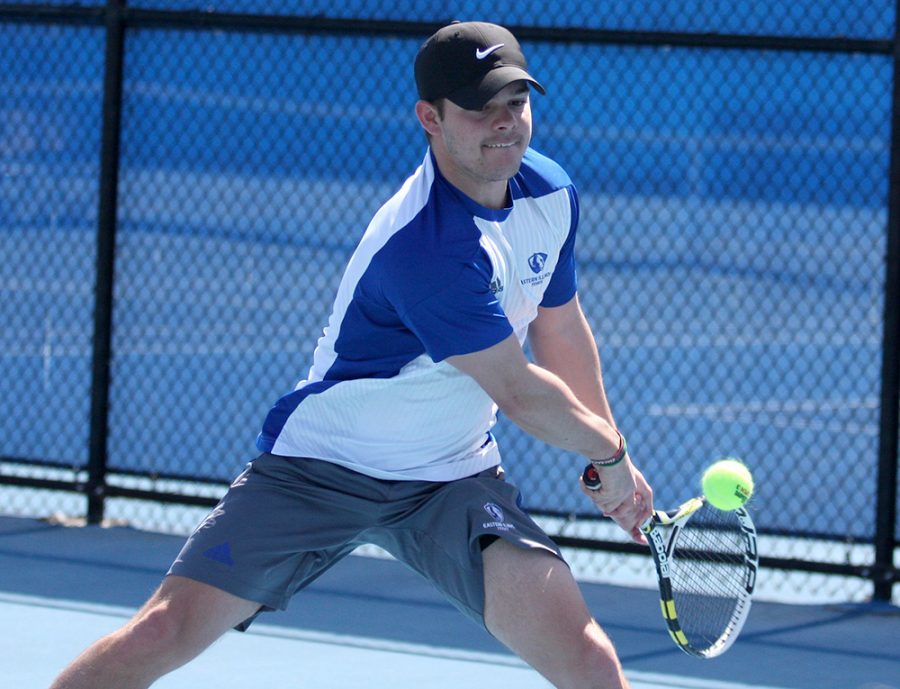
[388, 439]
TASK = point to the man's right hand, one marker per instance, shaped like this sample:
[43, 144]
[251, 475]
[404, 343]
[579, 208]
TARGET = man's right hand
[624, 495]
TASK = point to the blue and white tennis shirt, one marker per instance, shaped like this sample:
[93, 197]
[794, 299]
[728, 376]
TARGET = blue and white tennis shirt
[435, 275]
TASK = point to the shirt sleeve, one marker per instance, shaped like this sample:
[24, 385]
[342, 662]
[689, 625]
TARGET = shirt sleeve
[461, 318]
[564, 283]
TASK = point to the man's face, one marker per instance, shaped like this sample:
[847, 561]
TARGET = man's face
[479, 150]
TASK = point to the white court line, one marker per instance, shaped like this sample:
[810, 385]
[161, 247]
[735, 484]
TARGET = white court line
[655, 680]
[772, 406]
[777, 413]
[639, 680]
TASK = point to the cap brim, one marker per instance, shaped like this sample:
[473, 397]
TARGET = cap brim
[474, 96]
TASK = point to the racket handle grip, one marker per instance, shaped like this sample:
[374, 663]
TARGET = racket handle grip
[591, 477]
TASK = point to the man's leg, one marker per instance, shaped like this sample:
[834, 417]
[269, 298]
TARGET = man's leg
[534, 606]
[179, 621]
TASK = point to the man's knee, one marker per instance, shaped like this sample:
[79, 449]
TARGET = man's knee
[157, 627]
[181, 619]
[598, 664]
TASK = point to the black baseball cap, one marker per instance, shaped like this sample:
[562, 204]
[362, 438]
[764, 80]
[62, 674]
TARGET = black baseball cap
[468, 63]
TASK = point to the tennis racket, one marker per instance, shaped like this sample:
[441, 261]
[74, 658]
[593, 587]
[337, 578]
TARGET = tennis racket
[706, 562]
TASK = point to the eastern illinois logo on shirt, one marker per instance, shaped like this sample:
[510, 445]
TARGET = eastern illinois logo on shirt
[536, 262]
[498, 522]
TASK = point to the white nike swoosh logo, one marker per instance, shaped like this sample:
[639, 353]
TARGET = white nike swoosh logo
[481, 54]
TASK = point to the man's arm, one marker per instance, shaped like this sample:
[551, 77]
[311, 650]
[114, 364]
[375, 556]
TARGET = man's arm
[562, 342]
[541, 403]
[537, 400]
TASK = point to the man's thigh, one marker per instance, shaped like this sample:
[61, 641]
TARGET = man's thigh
[534, 606]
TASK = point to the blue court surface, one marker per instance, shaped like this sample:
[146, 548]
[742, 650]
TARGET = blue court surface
[371, 622]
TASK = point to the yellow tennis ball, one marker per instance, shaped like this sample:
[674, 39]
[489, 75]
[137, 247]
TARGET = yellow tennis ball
[727, 484]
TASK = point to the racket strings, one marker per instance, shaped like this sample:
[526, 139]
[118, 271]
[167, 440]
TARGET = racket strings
[708, 576]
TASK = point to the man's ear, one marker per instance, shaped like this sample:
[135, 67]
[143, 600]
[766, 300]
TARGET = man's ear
[428, 117]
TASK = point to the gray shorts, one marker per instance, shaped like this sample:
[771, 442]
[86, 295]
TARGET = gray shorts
[286, 520]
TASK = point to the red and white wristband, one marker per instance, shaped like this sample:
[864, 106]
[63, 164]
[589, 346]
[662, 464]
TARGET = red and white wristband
[616, 458]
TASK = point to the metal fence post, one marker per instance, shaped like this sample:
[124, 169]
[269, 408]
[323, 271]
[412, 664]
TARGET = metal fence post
[106, 241]
[883, 573]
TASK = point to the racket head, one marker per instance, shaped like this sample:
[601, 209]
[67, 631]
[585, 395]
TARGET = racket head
[706, 562]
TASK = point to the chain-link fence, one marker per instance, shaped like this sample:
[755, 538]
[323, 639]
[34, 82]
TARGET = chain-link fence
[733, 169]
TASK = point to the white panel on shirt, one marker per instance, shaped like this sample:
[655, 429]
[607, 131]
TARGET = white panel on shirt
[528, 232]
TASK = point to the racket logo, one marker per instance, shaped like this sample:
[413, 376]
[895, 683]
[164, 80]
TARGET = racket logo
[659, 546]
[750, 582]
